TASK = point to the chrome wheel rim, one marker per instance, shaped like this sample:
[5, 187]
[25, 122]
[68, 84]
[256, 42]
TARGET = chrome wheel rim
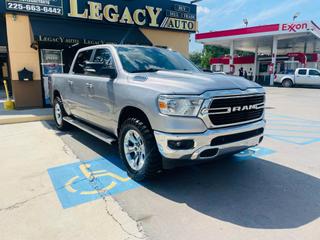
[134, 150]
[58, 113]
[287, 84]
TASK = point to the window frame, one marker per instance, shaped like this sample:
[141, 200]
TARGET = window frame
[112, 57]
[315, 71]
[76, 58]
[306, 72]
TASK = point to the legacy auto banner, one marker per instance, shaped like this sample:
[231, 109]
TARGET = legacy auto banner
[155, 14]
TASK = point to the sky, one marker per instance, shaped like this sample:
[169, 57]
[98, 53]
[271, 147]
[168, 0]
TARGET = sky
[216, 15]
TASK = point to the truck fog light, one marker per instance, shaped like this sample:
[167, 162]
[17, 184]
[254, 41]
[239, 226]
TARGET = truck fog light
[181, 144]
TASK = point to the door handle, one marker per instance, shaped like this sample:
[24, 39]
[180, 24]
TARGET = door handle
[70, 82]
[89, 85]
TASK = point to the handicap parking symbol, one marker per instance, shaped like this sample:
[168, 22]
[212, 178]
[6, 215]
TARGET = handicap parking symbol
[252, 153]
[87, 181]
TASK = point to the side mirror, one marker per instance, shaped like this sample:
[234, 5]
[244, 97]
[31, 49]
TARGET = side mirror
[111, 72]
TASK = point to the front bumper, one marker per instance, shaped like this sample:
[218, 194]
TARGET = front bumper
[202, 142]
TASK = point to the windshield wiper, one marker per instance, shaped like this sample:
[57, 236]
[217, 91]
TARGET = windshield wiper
[147, 70]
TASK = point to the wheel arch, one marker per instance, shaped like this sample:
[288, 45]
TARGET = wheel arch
[56, 93]
[130, 111]
[287, 78]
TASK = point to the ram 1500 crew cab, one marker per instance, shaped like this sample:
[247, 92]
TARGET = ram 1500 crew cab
[157, 105]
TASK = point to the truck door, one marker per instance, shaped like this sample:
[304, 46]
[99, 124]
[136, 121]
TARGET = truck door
[100, 89]
[301, 76]
[76, 92]
[314, 76]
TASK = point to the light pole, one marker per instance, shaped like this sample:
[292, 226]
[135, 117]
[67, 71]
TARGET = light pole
[246, 22]
[297, 14]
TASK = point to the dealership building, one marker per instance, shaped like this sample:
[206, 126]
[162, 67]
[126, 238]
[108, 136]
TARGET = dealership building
[41, 37]
[273, 49]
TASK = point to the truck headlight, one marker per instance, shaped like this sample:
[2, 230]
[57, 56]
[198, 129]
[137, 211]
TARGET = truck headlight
[180, 105]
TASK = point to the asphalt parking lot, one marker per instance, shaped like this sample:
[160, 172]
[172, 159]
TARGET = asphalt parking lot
[273, 194]
[269, 192]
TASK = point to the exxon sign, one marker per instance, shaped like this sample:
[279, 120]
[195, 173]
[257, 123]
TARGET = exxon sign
[294, 27]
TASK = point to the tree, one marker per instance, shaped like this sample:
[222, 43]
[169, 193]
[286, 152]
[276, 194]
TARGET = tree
[210, 51]
[195, 57]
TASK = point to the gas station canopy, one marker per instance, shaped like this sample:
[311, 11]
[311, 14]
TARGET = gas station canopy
[292, 37]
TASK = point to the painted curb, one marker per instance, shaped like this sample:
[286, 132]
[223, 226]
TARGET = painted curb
[24, 119]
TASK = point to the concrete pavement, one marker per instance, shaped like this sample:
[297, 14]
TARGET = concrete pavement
[21, 116]
[29, 208]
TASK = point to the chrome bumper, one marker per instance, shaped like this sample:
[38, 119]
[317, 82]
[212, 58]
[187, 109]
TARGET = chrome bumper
[202, 142]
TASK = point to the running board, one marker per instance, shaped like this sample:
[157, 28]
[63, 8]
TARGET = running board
[94, 132]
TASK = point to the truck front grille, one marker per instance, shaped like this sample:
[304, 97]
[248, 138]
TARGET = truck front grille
[238, 109]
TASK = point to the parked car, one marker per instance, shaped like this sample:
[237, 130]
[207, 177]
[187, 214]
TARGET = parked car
[301, 76]
[158, 106]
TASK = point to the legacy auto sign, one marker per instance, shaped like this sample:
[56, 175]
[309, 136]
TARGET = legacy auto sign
[156, 14]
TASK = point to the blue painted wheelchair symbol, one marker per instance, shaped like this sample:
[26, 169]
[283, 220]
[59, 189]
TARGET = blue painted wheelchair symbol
[253, 152]
[74, 182]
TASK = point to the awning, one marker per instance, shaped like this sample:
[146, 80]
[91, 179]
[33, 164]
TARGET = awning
[3, 32]
[89, 33]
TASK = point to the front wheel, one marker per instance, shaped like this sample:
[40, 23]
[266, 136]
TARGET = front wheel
[138, 149]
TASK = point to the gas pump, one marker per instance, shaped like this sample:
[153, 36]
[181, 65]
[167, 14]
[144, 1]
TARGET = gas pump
[297, 60]
[232, 69]
[290, 66]
[217, 68]
[271, 68]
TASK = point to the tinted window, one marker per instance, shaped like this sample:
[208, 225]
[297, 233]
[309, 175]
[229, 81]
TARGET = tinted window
[102, 63]
[302, 72]
[147, 59]
[82, 58]
[314, 73]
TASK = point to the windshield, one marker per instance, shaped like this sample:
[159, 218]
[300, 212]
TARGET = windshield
[147, 59]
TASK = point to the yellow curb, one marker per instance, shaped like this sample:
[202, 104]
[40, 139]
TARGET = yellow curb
[24, 119]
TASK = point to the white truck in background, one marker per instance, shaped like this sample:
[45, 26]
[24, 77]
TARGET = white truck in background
[301, 76]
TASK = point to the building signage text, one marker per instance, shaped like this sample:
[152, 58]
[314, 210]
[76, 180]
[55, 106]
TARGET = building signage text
[53, 7]
[294, 27]
[72, 41]
[155, 14]
[147, 16]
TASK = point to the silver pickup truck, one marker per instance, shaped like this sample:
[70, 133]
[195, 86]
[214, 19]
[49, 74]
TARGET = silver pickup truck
[158, 106]
[301, 76]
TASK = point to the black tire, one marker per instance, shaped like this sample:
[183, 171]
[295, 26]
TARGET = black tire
[153, 159]
[287, 83]
[61, 125]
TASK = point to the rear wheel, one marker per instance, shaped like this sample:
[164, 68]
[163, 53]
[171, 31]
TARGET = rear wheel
[287, 83]
[138, 150]
[59, 113]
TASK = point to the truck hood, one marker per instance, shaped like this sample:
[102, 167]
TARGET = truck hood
[181, 82]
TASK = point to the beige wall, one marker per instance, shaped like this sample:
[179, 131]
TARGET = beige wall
[21, 55]
[178, 41]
